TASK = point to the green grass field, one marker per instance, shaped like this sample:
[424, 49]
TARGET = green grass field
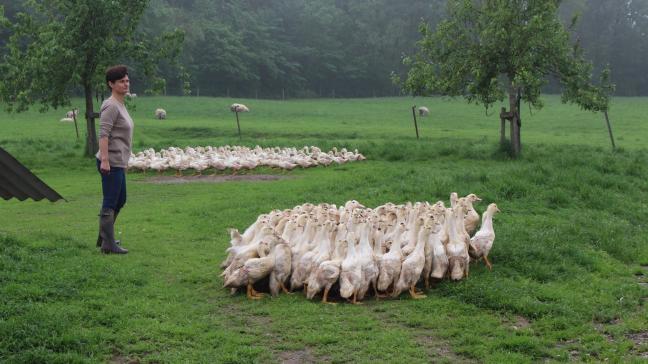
[570, 260]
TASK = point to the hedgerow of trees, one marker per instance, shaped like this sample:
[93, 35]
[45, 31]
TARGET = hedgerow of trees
[311, 48]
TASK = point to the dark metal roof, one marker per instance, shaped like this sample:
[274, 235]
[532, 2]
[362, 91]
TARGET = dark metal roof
[18, 181]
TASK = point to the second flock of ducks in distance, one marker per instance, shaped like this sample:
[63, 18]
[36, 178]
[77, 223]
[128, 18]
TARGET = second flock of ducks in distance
[236, 158]
[387, 250]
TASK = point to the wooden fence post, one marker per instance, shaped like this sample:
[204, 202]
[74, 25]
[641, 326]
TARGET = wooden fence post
[415, 123]
[75, 123]
[238, 125]
[607, 120]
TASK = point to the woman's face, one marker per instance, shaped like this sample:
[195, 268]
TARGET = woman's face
[120, 86]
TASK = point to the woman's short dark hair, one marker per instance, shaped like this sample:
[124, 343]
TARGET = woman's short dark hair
[115, 73]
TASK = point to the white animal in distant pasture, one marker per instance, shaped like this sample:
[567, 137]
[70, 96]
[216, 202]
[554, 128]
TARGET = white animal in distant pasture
[423, 111]
[239, 108]
[160, 114]
[72, 113]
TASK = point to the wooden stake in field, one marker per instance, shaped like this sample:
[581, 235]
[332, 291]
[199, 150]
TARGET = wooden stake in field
[236, 109]
[75, 124]
[415, 124]
[607, 120]
[238, 125]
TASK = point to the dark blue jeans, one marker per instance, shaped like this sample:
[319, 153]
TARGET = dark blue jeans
[113, 186]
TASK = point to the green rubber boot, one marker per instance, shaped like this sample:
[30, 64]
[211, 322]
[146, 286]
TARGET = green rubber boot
[107, 232]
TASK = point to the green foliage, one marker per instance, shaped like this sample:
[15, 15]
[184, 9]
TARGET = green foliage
[485, 50]
[303, 48]
[60, 45]
[320, 47]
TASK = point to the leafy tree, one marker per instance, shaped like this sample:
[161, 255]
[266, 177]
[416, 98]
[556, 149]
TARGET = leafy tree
[60, 45]
[489, 49]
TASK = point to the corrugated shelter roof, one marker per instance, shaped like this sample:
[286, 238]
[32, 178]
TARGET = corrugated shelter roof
[19, 182]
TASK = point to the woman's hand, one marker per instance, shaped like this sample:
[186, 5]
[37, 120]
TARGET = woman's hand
[105, 167]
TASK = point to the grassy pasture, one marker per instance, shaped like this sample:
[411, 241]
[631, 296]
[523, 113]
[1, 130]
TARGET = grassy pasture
[569, 259]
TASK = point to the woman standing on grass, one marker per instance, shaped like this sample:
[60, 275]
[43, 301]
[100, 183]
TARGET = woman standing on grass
[115, 139]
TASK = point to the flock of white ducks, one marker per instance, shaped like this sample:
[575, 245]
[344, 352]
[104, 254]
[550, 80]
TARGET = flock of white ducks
[388, 249]
[236, 158]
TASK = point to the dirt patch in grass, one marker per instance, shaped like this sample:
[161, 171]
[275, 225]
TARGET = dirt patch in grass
[573, 353]
[516, 322]
[616, 321]
[213, 178]
[520, 322]
[600, 328]
[437, 349]
[242, 320]
[644, 355]
[120, 359]
[639, 338]
[297, 357]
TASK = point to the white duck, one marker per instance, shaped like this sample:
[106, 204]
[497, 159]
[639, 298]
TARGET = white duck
[456, 249]
[235, 240]
[368, 262]
[253, 270]
[439, 256]
[482, 242]
[244, 252]
[471, 217]
[413, 266]
[281, 269]
[390, 264]
[308, 260]
[302, 248]
[351, 273]
[413, 231]
[328, 272]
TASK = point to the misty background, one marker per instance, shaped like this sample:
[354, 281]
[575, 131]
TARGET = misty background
[341, 48]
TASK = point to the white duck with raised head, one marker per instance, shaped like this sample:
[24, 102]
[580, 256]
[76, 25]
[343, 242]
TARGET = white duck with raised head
[471, 217]
[456, 249]
[482, 242]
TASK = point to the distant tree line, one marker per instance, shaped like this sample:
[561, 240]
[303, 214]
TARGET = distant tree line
[340, 48]
[293, 48]
[614, 32]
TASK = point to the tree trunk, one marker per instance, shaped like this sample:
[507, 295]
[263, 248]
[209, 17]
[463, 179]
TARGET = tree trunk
[91, 141]
[516, 143]
[502, 127]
